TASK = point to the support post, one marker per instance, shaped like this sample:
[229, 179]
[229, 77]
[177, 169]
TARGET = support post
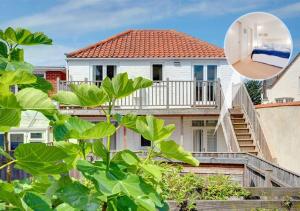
[124, 138]
[194, 92]
[141, 99]
[181, 131]
[57, 84]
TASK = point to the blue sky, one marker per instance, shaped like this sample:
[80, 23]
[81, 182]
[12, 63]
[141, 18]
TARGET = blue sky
[73, 24]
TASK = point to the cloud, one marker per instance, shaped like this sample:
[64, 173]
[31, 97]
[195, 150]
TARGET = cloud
[46, 55]
[85, 16]
[290, 10]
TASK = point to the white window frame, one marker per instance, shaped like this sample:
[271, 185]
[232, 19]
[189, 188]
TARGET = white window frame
[40, 72]
[36, 139]
[205, 130]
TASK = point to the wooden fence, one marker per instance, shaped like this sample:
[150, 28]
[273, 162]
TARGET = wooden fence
[260, 198]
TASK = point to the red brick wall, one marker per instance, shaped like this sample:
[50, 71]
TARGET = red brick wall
[52, 76]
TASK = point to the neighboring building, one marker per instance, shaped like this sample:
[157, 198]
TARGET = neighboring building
[51, 74]
[187, 73]
[286, 86]
[34, 127]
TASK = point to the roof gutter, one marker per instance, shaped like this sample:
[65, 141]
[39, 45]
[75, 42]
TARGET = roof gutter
[167, 58]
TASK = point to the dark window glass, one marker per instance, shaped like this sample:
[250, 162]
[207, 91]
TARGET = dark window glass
[145, 142]
[211, 72]
[36, 135]
[41, 75]
[15, 140]
[198, 72]
[198, 123]
[2, 140]
[157, 72]
[110, 71]
[99, 73]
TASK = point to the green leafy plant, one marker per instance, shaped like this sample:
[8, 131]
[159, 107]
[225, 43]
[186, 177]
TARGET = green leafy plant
[255, 89]
[185, 189]
[113, 181]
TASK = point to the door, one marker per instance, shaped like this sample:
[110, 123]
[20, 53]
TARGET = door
[199, 77]
[198, 140]
[211, 84]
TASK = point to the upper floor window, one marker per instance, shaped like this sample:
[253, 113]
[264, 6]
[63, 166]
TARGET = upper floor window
[36, 135]
[157, 72]
[211, 72]
[98, 74]
[111, 71]
[198, 72]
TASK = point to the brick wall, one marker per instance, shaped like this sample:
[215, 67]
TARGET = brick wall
[52, 76]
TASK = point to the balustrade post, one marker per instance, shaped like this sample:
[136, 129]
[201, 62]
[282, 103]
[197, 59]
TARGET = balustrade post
[168, 93]
[141, 99]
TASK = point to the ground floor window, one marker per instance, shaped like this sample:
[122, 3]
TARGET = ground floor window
[2, 140]
[204, 135]
[15, 140]
[145, 142]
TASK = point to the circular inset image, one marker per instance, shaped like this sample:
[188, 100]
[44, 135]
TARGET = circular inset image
[258, 45]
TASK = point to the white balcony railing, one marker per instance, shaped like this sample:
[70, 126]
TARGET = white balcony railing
[165, 94]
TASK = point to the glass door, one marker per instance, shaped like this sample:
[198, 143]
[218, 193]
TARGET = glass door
[211, 86]
[198, 140]
[199, 77]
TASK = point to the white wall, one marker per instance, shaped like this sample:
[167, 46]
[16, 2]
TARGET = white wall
[281, 129]
[133, 139]
[82, 69]
[288, 84]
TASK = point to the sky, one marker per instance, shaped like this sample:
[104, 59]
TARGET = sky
[73, 24]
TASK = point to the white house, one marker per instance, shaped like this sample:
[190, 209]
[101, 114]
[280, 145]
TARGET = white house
[286, 86]
[187, 74]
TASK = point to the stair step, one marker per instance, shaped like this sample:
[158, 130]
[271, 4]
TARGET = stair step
[245, 141]
[247, 149]
[241, 130]
[237, 115]
[240, 125]
[237, 120]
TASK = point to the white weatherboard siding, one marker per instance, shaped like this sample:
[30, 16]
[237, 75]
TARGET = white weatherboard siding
[82, 69]
[132, 140]
[288, 84]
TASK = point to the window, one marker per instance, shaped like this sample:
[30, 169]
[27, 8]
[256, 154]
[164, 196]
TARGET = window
[15, 140]
[211, 72]
[110, 71]
[211, 141]
[211, 123]
[198, 140]
[1, 140]
[198, 72]
[145, 142]
[157, 72]
[39, 74]
[198, 123]
[36, 135]
[98, 73]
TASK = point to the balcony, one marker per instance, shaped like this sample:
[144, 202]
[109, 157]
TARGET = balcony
[180, 96]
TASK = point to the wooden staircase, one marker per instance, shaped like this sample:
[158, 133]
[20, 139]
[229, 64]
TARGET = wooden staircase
[242, 132]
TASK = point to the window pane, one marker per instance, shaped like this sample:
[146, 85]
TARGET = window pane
[198, 123]
[99, 73]
[145, 142]
[198, 72]
[211, 141]
[211, 72]
[157, 72]
[110, 71]
[198, 140]
[36, 135]
[15, 140]
[2, 140]
[211, 123]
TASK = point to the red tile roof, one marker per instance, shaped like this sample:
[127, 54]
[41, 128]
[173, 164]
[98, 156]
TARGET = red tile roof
[150, 44]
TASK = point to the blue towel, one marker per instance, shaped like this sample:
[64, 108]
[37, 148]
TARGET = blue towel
[282, 54]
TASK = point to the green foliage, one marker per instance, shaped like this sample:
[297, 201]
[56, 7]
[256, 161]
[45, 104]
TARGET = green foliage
[40, 84]
[185, 189]
[255, 90]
